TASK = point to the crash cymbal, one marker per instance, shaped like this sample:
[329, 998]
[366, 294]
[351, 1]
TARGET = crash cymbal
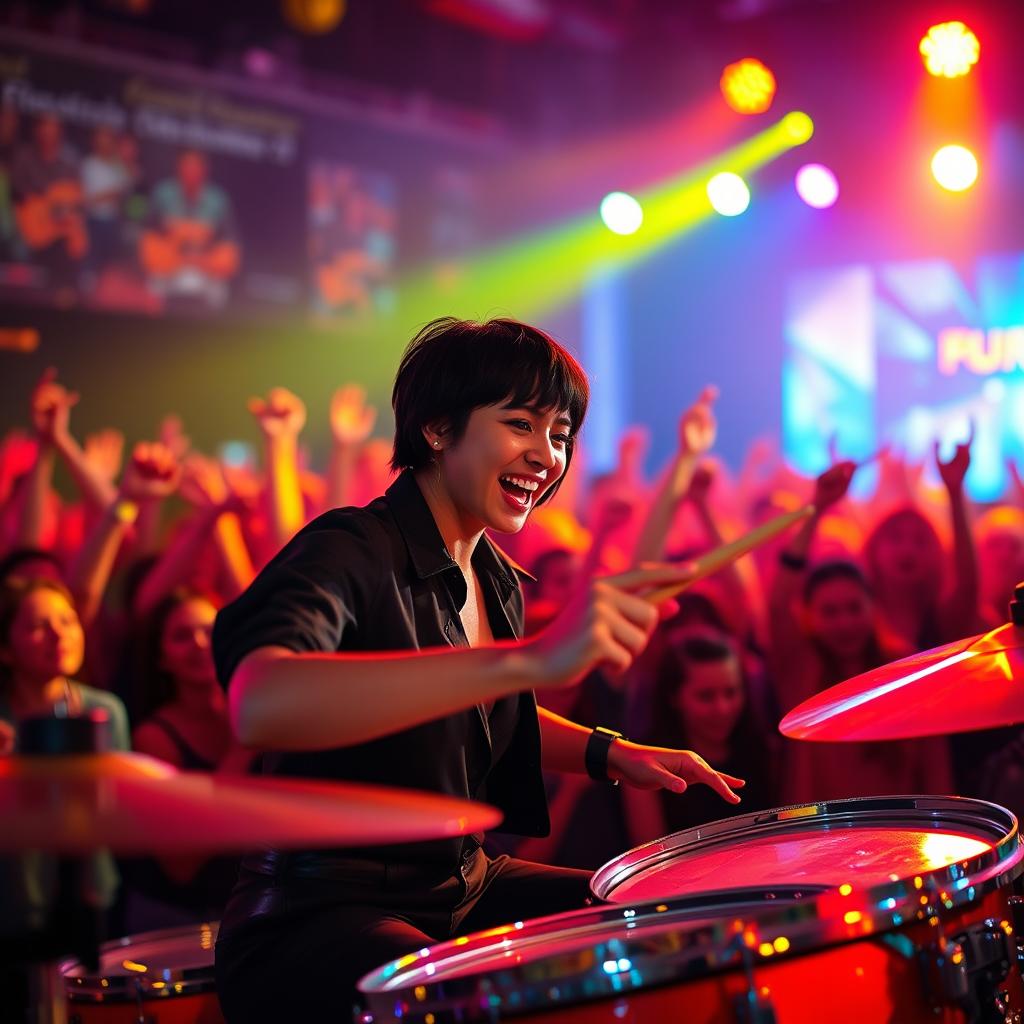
[134, 804]
[977, 683]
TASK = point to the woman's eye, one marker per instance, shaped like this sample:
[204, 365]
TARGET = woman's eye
[519, 424]
[562, 439]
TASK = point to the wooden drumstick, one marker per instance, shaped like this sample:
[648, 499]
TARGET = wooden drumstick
[719, 558]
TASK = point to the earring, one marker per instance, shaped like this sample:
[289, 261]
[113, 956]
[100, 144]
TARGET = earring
[437, 444]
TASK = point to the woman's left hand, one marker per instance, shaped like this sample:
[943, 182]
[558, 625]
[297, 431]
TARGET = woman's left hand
[661, 768]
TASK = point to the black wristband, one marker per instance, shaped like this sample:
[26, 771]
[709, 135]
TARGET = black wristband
[596, 755]
[791, 561]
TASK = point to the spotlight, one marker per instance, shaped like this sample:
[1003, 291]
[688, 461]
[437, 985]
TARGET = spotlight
[748, 86]
[798, 126]
[955, 168]
[621, 213]
[817, 186]
[950, 49]
[729, 194]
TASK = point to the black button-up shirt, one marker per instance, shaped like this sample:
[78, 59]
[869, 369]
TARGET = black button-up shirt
[380, 578]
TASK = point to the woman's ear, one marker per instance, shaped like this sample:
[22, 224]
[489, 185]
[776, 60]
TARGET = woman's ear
[436, 435]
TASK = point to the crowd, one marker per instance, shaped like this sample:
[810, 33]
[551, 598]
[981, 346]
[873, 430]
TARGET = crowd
[108, 597]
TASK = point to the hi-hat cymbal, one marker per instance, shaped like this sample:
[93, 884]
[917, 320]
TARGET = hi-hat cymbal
[133, 804]
[977, 683]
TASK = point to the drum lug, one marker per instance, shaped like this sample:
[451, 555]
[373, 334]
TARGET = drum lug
[969, 969]
[750, 1008]
[1017, 920]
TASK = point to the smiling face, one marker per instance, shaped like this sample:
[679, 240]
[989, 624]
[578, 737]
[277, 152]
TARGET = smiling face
[45, 639]
[505, 462]
[710, 701]
[185, 652]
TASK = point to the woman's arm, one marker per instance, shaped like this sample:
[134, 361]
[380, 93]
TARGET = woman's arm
[787, 642]
[314, 701]
[959, 609]
[564, 744]
[697, 430]
[148, 478]
[281, 418]
[352, 421]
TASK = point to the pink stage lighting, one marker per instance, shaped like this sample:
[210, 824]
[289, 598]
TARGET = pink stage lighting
[817, 186]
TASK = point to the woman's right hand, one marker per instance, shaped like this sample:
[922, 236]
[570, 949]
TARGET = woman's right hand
[605, 625]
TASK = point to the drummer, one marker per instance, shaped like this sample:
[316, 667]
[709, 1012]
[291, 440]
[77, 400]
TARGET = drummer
[486, 415]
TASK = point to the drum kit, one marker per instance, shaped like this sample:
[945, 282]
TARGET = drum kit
[889, 908]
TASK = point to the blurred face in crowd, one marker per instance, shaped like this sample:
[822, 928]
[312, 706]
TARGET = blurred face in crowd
[192, 171]
[48, 136]
[711, 700]
[840, 617]
[1001, 561]
[46, 639]
[905, 550]
[556, 580]
[185, 652]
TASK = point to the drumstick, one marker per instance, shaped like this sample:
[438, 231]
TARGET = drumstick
[725, 555]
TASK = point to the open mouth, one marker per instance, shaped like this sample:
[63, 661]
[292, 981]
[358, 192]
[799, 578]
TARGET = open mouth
[518, 491]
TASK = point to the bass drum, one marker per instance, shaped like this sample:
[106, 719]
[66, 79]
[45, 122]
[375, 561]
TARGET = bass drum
[161, 977]
[893, 909]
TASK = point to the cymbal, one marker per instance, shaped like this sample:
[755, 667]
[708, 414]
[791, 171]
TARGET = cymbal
[134, 804]
[971, 684]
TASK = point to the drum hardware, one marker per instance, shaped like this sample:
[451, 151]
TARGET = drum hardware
[752, 1007]
[968, 970]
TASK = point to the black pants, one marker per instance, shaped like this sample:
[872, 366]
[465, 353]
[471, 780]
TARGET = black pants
[294, 949]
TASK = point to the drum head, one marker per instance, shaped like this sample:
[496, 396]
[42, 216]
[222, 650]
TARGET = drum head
[159, 964]
[865, 843]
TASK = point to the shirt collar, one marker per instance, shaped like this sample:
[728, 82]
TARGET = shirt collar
[427, 549]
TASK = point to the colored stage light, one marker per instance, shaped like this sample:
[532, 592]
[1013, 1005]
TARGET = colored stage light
[798, 126]
[950, 49]
[621, 213]
[955, 168]
[817, 186]
[748, 86]
[729, 194]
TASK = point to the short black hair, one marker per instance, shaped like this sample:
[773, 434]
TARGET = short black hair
[11, 562]
[455, 366]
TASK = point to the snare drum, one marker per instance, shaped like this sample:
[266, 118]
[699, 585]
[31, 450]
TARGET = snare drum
[161, 977]
[908, 920]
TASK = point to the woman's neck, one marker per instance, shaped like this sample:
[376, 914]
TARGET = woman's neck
[197, 699]
[460, 537]
[36, 696]
[713, 751]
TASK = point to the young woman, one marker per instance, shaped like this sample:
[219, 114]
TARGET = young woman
[700, 700]
[42, 646]
[824, 630]
[185, 722]
[485, 417]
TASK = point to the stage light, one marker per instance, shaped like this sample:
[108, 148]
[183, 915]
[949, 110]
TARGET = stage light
[729, 194]
[817, 186]
[621, 213]
[950, 49]
[748, 86]
[955, 168]
[798, 126]
[314, 17]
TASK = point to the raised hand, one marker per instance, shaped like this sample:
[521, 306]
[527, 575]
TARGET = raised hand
[352, 418]
[172, 436]
[202, 482]
[697, 427]
[281, 414]
[152, 473]
[954, 471]
[104, 451]
[833, 484]
[50, 407]
[660, 768]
